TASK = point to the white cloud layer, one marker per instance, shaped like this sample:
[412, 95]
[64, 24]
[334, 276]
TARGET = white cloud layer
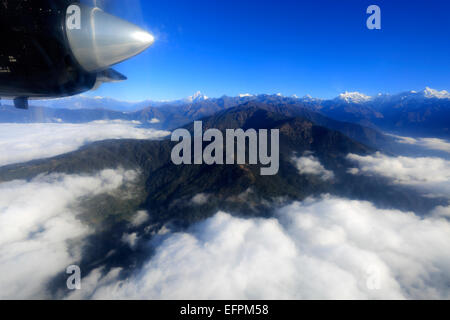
[38, 219]
[328, 248]
[308, 164]
[442, 212]
[427, 143]
[431, 174]
[25, 142]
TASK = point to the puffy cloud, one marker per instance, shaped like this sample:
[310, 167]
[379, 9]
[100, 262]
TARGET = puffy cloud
[327, 248]
[40, 234]
[432, 174]
[131, 239]
[154, 121]
[427, 143]
[25, 142]
[405, 170]
[442, 212]
[308, 164]
[140, 218]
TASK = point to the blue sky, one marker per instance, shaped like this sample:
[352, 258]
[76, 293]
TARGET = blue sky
[316, 47]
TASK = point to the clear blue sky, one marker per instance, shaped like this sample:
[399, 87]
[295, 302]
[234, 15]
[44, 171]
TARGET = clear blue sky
[316, 47]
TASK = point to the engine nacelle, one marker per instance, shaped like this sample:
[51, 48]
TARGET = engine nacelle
[58, 48]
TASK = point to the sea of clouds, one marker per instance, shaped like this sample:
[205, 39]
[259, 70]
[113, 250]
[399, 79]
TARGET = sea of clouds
[321, 248]
[430, 174]
[40, 230]
[426, 143]
[25, 142]
[327, 248]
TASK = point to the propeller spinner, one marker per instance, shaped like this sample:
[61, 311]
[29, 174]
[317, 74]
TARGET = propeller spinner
[99, 40]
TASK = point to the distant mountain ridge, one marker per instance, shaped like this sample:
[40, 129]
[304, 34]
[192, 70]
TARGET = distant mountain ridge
[424, 113]
[98, 102]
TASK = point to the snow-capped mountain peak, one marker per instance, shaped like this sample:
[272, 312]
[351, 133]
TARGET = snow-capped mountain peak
[354, 97]
[244, 95]
[198, 96]
[432, 93]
